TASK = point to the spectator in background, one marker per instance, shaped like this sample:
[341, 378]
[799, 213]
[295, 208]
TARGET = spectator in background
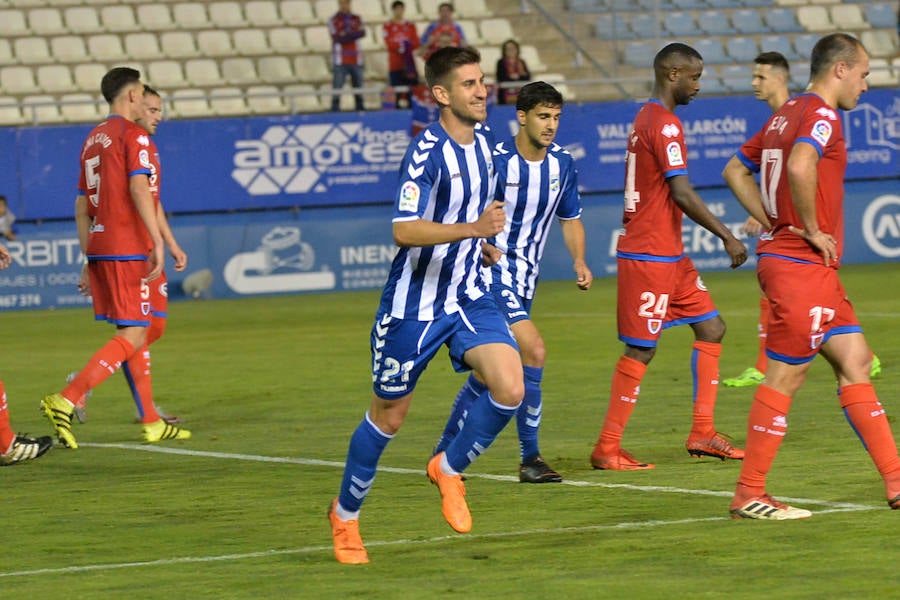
[442, 33]
[346, 54]
[510, 67]
[401, 40]
[6, 220]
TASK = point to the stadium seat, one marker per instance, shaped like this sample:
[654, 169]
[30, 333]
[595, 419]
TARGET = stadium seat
[191, 15]
[239, 71]
[324, 10]
[54, 79]
[373, 13]
[711, 50]
[46, 21]
[737, 78]
[31, 50]
[80, 108]
[710, 83]
[82, 19]
[105, 47]
[203, 72]
[778, 43]
[10, 113]
[12, 23]
[725, 4]
[118, 18]
[471, 31]
[301, 99]
[372, 41]
[166, 74]
[6, 53]
[532, 59]
[689, 4]
[41, 109]
[880, 43]
[142, 46]
[317, 38]
[638, 53]
[18, 80]
[154, 17]
[88, 76]
[227, 101]
[742, 49]
[496, 31]
[612, 27]
[180, 44]
[757, 3]
[715, 22]
[286, 40]
[376, 67]
[251, 42]
[881, 15]
[646, 25]
[226, 14]
[804, 43]
[262, 13]
[297, 12]
[680, 24]
[189, 103]
[799, 74]
[275, 69]
[471, 9]
[881, 74]
[748, 21]
[311, 68]
[815, 18]
[491, 54]
[265, 100]
[849, 17]
[782, 20]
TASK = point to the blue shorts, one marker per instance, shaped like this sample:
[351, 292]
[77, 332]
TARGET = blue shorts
[514, 307]
[402, 348]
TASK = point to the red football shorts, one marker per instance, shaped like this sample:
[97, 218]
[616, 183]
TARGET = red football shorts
[808, 305]
[653, 296]
[120, 296]
[159, 295]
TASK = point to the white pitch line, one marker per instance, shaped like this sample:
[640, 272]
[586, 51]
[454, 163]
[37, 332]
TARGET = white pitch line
[469, 475]
[384, 543]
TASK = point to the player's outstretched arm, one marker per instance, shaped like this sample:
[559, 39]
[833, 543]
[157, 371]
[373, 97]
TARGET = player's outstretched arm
[693, 206]
[421, 232]
[744, 187]
[573, 235]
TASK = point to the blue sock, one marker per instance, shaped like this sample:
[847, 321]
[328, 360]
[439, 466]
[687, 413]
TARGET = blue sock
[485, 422]
[366, 445]
[528, 417]
[471, 389]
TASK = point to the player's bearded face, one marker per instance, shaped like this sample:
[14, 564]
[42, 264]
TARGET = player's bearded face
[688, 85]
[468, 95]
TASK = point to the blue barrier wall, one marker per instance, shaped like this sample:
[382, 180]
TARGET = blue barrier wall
[352, 158]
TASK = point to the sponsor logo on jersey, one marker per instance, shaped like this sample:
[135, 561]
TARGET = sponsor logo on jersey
[827, 113]
[409, 197]
[554, 183]
[673, 153]
[670, 130]
[821, 132]
[143, 140]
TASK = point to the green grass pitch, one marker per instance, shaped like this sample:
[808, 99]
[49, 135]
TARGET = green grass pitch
[272, 389]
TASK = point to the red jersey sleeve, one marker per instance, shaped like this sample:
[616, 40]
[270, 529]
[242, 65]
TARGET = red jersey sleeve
[667, 139]
[750, 154]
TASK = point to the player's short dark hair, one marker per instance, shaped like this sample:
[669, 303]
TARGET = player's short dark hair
[2, 198]
[666, 58]
[774, 59]
[117, 79]
[447, 4]
[149, 91]
[538, 93]
[833, 48]
[397, 3]
[445, 60]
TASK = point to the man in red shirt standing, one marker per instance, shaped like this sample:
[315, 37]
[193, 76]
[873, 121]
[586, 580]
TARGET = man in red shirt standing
[119, 234]
[658, 286]
[442, 33]
[401, 40]
[801, 155]
[346, 52]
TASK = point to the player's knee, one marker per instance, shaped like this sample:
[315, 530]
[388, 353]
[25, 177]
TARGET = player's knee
[509, 392]
[156, 329]
[535, 354]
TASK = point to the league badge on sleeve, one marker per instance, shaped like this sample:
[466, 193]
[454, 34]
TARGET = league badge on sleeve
[821, 132]
[673, 154]
[409, 197]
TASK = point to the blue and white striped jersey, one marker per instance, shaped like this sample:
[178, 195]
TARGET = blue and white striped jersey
[444, 182]
[533, 193]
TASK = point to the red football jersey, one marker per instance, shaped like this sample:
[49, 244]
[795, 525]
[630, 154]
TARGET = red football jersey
[656, 152]
[115, 151]
[401, 40]
[805, 119]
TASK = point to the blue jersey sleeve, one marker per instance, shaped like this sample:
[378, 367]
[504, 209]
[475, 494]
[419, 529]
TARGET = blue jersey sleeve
[569, 199]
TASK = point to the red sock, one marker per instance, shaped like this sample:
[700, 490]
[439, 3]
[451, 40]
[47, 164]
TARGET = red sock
[6, 433]
[626, 385]
[705, 371]
[102, 364]
[766, 428]
[156, 329]
[763, 328]
[137, 372]
[866, 416]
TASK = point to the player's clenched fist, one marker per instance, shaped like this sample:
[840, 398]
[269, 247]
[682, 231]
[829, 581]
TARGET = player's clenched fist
[492, 220]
